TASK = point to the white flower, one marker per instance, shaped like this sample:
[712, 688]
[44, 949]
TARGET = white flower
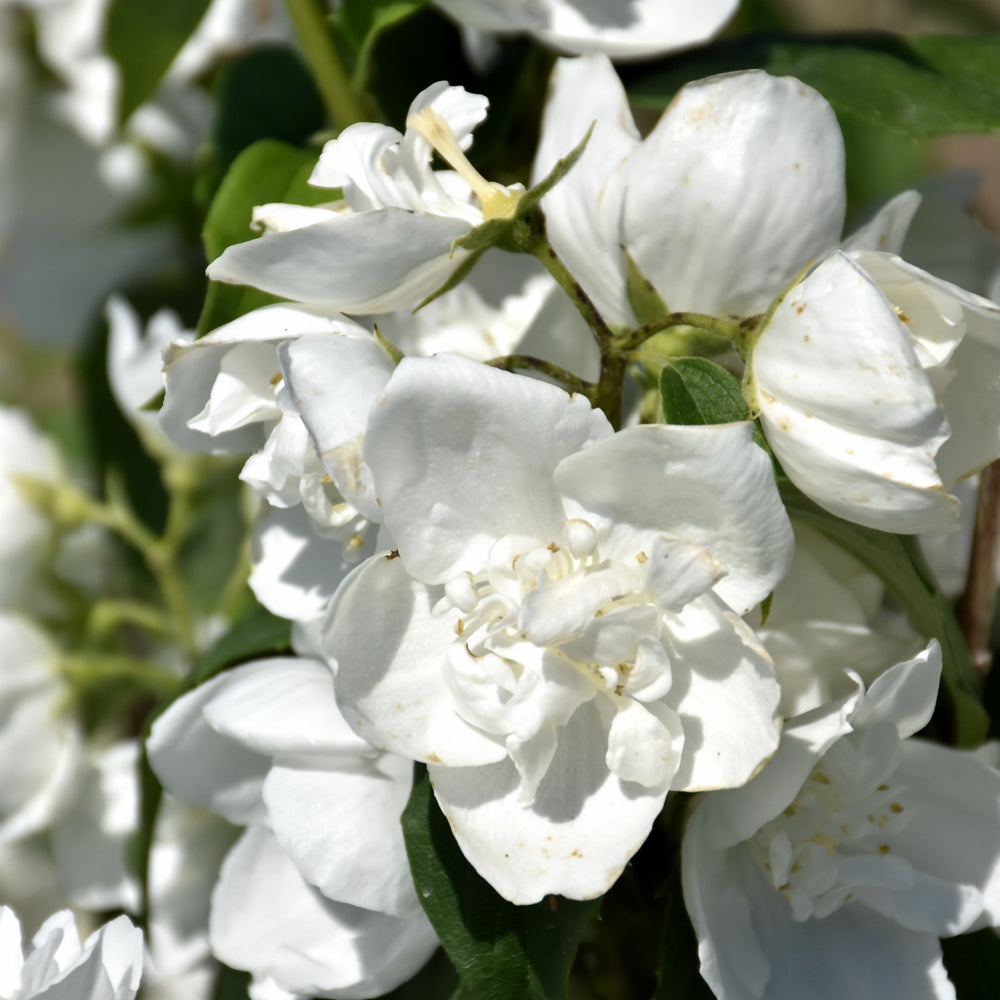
[316, 898]
[553, 631]
[621, 28]
[388, 244]
[878, 388]
[106, 967]
[840, 865]
[736, 189]
[135, 365]
[24, 532]
[827, 626]
[39, 740]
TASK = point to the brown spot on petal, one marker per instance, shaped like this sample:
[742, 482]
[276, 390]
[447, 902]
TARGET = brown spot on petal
[394, 554]
[433, 758]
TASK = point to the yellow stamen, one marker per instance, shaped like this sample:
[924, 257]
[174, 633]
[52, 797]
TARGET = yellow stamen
[497, 201]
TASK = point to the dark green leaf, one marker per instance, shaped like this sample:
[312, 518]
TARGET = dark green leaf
[361, 22]
[973, 964]
[268, 171]
[678, 976]
[916, 87]
[266, 93]
[143, 37]
[699, 391]
[437, 980]
[897, 561]
[231, 985]
[501, 951]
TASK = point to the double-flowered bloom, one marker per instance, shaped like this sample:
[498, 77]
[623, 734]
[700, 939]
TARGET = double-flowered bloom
[553, 621]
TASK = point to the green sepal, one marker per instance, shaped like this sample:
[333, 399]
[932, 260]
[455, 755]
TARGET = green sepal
[699, 391]
[897, 561]
[455, 278]
[645, 300]
[500, 951]
[531, 197]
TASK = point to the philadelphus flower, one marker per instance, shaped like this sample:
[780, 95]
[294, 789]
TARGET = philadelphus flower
[388, 244]
[620, 28]
[554, 631]
[265, 746]
[106, 967]
[878, 387]
[841, 864]
[827, 626]
[39, 739]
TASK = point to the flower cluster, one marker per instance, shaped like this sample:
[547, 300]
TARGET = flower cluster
[566, 553]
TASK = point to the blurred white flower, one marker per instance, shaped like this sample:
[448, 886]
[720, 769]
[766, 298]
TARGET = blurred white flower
[316, 898]
[848, 856]
[622, 29]
[107, 966]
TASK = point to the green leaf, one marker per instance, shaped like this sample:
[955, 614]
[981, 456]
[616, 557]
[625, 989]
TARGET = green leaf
[897, 561]
[699, 391]
[916, 87]
[267, 171]
[501, 951]
[143, 37]
[361, 22]
[266, 93]
[678, 976]
[973, 963]
[437, 980]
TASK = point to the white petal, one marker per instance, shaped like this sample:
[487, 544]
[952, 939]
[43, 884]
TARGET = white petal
[308, 945]
[389, 648]
[700, 485]
[458, 460]
[732, 815]
[198, 765]
[341, 829]
[749, 188]
[358, 263]
[751, 948]
[283, 706]
[582, 220]
[294, 572]
[846, 405]
[905, 694]
[562, 841]
[953, 833]
[644, 743]
[726, 694]
[886, 230]
[335, 382]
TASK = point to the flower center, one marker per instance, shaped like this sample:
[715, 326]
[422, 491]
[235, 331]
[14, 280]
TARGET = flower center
[835, 839]
[498, 201]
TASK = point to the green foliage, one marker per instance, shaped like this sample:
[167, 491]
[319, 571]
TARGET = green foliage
[266, 93]
[699, 391]
[917, 87]
[268, 171]
[501, 951]
[897, 561]
[143, 38]
[360, 23]
[642, 296]
[973, 964]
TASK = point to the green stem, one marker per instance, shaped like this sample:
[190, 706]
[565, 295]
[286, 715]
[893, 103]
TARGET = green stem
[343, 105]
[550, 260]
[107, 614]
[732, 328]
[527, 362]
[158, 554]
[87, 669]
